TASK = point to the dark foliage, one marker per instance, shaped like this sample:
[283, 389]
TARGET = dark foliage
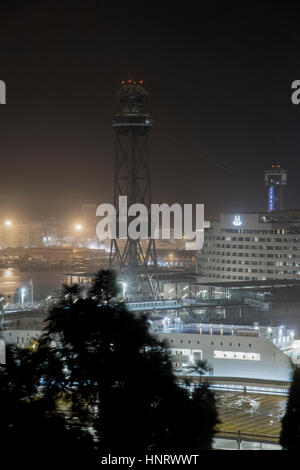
[30, 426]
[111, 375]
[290, 431]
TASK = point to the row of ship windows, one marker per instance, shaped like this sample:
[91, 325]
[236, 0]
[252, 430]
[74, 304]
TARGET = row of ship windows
[222, 355]
[212, 343]
[237, 278]
[237, 355]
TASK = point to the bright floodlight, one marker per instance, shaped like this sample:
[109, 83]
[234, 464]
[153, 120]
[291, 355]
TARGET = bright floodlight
[78, 227]
[8, 223]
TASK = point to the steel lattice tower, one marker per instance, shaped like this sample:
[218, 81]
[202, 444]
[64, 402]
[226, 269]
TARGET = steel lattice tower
[135, 259]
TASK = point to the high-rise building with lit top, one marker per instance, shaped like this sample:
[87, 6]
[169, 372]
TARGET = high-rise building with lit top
[275, 179]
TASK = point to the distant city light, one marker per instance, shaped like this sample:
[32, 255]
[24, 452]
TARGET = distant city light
[93, 246]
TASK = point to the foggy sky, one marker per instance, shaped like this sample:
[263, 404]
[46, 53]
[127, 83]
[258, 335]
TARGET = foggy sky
[220, 95]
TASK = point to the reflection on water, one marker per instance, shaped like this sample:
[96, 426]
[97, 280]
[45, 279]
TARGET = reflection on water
[43, 282]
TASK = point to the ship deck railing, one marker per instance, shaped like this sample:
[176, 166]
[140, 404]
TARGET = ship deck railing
[238, 384]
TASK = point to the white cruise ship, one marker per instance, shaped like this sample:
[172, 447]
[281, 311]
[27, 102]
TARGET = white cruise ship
[233, 351]
[236, 351]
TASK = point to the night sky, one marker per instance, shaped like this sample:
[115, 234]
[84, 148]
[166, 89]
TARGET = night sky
[220, 84]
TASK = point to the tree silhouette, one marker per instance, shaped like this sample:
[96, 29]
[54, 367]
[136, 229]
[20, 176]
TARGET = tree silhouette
[114, 371]
[112, 377]
[30, 426]
[290, 430]
[199, 367]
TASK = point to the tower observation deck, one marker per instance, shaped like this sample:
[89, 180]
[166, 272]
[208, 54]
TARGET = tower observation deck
[275, 179]
[135, 259]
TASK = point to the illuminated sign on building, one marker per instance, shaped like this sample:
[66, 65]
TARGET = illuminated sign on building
[237, 221]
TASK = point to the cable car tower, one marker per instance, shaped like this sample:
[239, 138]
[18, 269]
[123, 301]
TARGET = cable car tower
[135, 259]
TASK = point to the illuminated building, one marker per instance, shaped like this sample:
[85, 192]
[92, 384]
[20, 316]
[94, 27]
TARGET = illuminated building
[28, 233]
[275, 178]
[252, 246]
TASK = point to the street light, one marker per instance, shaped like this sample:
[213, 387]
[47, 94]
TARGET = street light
[8, 223]
[124, 288]
[22, 296]
[78, 227]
